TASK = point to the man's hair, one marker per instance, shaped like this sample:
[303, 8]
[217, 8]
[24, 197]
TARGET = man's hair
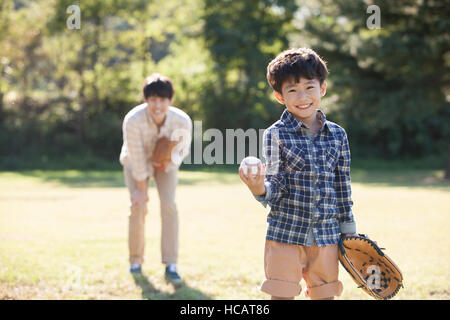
[158, 85]
[294, 64]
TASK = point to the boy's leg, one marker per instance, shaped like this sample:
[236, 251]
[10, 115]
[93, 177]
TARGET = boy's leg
[136, 223]
[321, 273]
[166, 183]
[281, 298]
[283, 264]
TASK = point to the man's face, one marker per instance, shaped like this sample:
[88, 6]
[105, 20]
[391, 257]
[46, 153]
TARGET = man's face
[158, 106]
[301, 98]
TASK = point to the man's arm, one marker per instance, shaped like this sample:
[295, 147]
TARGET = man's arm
[135, 150]
[137, 162]
[342, 185]
[184, 135]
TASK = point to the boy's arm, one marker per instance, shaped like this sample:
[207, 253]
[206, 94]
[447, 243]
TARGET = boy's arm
[275, 182]
[343, 189]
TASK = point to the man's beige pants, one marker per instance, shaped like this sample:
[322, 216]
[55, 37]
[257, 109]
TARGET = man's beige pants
[166, 183]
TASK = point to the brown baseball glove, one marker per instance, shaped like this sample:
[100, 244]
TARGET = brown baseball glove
[370, 267]
[162, 154]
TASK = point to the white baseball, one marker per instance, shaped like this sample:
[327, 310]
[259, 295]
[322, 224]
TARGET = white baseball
[250, 165]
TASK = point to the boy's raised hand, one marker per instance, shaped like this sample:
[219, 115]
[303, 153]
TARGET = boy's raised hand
[255, 183]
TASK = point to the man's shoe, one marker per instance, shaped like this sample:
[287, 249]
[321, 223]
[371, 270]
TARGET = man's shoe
[136, 268]
[172, 276]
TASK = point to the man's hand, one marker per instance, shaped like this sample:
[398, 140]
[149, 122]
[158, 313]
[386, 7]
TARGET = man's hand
[162, 154]
[160, 166]
[255, 184]
[139, 196]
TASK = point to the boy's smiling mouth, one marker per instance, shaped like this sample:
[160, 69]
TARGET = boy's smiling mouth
[303, 106]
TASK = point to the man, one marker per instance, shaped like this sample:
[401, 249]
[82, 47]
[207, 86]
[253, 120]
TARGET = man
[142, 128]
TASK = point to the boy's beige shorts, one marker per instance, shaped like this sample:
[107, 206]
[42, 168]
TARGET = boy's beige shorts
[286, 264]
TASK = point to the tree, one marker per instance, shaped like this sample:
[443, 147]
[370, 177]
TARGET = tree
[22, 65]
[242, 37]
[69, 88]
[5, 9]
[390, 84]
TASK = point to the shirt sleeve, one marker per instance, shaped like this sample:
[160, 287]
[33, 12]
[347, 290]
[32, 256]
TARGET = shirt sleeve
[275, 181]
[343, 190]
[135, 149]
[183, 131]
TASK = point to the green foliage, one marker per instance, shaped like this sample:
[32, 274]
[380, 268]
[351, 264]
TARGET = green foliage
[242, 37]
[387, 85]
[66, 91]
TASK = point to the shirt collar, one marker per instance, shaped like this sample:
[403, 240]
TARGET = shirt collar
[153, 124]
[294, 125]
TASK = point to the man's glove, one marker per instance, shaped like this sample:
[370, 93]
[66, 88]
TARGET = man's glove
[369, 267]
[162, 154]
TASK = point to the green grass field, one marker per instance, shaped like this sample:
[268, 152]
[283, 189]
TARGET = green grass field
[63, 235]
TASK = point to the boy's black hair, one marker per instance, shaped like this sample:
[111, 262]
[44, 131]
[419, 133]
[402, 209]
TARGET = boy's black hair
[158, 85]
[295, 63]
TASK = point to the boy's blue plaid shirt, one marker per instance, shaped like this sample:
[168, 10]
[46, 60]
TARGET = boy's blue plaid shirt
[307, 182]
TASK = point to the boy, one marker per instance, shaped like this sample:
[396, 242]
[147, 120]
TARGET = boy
[306, 182]
[142, 127]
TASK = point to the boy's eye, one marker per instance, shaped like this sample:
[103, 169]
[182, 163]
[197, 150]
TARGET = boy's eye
[292, 90]
[310, 87]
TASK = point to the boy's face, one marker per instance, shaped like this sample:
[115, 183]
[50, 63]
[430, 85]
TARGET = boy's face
[158, 106]
[301, 98]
